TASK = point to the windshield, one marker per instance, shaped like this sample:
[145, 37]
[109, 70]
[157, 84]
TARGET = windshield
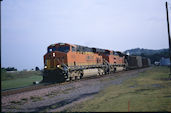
[63, 49]
[107, 52]
[51, 49]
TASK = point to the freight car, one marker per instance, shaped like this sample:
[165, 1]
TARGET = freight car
[131, 62]
[146, 62]
[134, 62]
[64, 62]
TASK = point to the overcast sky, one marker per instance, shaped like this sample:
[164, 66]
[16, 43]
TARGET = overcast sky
[29, 26]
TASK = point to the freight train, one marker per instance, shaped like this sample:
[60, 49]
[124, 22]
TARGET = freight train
[65, 62]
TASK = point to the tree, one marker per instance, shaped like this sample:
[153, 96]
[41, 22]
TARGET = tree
[10, 69]
[37, 68]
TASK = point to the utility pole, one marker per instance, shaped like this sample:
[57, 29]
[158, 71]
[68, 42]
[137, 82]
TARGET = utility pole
[168, 37]
[0, 31]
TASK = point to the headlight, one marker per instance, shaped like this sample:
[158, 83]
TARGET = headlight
[58, 66]
[53, 54]
[45, 67]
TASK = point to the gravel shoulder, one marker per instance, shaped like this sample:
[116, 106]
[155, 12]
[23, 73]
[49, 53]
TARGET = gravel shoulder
[60, 97]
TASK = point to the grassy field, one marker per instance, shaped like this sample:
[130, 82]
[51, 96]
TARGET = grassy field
[150, 91]
[19, 79]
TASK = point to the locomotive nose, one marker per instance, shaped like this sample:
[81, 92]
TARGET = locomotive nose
[54, 60]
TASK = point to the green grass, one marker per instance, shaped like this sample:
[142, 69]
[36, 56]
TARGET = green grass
[18, 74]
[19, 79]
[151, 91]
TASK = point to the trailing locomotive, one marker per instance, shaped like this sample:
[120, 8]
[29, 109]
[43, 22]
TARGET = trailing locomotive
[64, 62]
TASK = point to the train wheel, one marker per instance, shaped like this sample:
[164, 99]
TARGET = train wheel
[76, 78]
[73, 78]
[81, 75]
[114, 70]
[67, 79]
[100, 72]
[70, 78]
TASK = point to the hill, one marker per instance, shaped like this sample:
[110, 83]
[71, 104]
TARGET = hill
[154, 55]
[138, 51]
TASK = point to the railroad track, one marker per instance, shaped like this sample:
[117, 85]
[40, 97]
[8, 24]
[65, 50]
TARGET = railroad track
[46, 85]
[27, 88]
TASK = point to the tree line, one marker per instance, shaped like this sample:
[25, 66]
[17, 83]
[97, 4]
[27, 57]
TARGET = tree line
[14, 69]
[156, 56]
[9, 69]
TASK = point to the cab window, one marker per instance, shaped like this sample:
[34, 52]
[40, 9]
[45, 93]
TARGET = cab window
[63, 49]
[111, 53]
[73, 48]
[51, 49]
[116, 53]
[107, 52]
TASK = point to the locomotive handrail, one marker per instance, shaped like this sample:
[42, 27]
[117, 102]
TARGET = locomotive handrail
[72, 68]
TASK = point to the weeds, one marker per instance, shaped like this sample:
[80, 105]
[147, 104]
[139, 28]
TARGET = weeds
[36, 98]
[21, 102]
[146, 92]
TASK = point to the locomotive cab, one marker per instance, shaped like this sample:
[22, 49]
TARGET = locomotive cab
[56, 55]
[55, 61]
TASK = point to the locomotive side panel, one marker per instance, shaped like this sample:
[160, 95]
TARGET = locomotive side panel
[112, 58]
[105, 57]
[83, 58]
[118, 60]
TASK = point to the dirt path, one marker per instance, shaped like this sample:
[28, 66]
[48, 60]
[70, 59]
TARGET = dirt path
[61, 97]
